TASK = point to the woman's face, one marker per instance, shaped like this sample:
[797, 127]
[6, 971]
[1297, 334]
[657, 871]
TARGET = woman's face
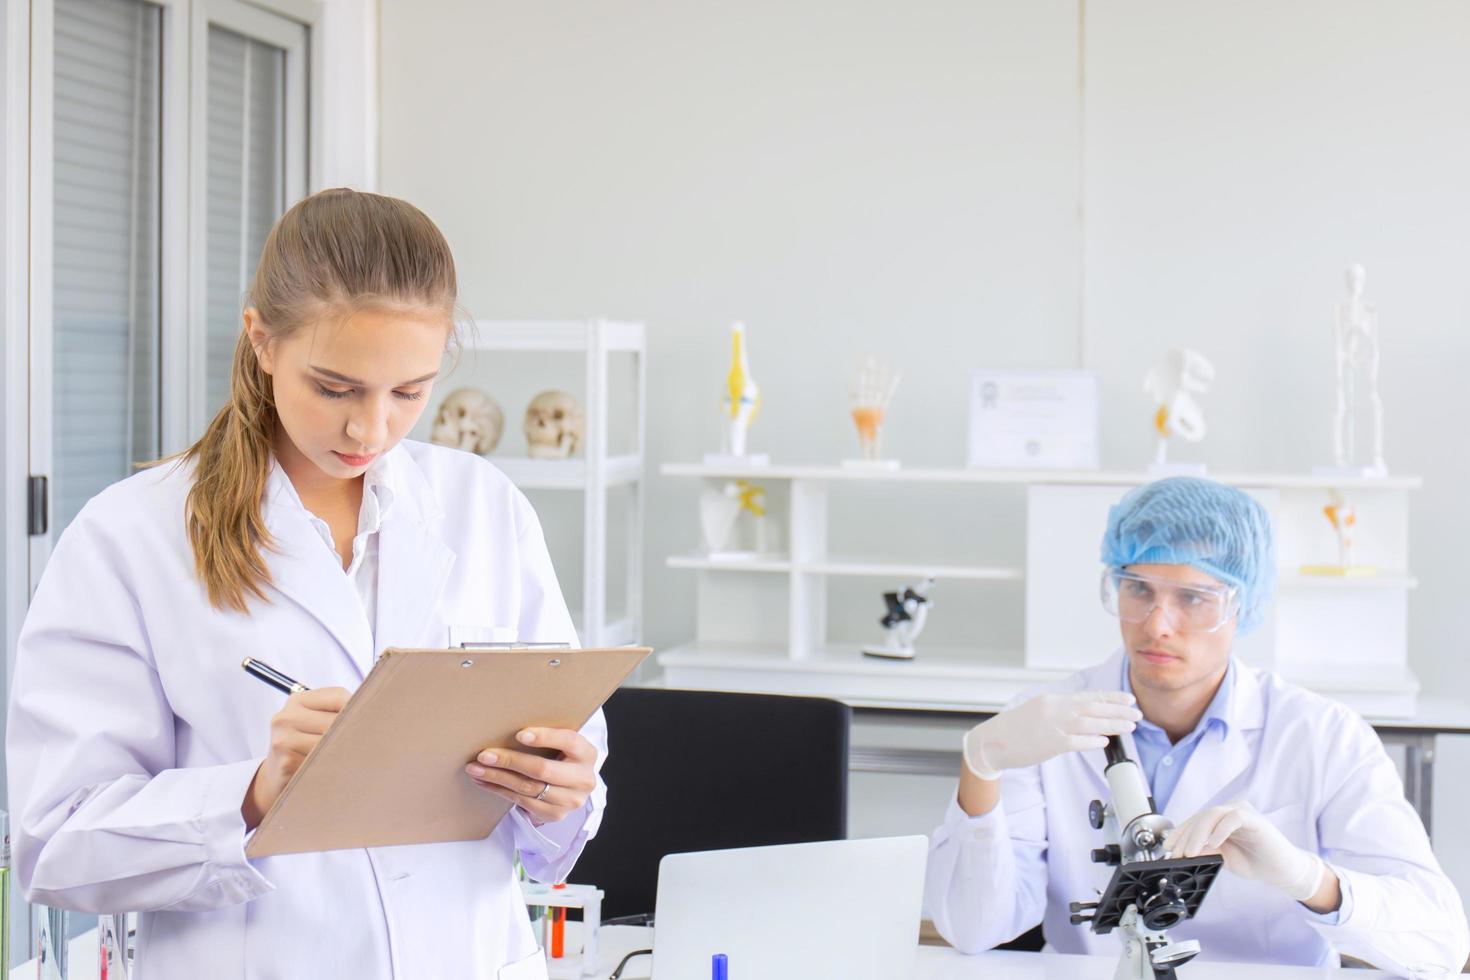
[348, 390]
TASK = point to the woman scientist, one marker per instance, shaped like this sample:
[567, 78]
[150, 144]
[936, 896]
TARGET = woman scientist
[301, 528]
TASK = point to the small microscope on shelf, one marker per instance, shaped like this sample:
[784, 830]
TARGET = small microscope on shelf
[907, 611]
[1150, 892]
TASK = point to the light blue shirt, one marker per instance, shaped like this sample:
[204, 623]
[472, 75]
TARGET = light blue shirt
[1162, 762]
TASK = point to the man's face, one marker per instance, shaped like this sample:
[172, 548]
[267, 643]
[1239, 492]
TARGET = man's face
[1165, 657]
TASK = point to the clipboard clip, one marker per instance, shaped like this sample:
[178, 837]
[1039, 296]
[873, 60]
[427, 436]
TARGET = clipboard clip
[497, 645]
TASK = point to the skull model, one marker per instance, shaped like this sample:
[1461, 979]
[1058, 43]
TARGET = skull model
[554, 425]
[469, 419]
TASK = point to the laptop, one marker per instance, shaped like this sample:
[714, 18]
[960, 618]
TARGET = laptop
[847, 908]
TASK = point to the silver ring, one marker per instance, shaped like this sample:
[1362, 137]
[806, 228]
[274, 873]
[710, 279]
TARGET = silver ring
[542, 795]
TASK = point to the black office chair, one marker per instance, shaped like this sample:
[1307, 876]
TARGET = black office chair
[1030, 941]
[704, 770]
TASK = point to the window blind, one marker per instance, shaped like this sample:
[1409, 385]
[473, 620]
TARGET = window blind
[108, 60]
[245, 184]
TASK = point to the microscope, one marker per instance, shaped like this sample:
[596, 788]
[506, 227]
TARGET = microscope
[907, 611]
[1150, 892]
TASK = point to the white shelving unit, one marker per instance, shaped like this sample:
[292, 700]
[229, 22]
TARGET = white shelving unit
[595, 471]
[1344, 636]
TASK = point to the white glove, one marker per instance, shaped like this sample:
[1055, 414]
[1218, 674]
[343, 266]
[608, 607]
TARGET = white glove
[1251, 846]
[1047, 726]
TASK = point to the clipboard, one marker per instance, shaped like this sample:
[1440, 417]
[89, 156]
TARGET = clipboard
[390, 769]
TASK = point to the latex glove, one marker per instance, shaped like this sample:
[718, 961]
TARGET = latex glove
[1045, 727]
[1251, 846]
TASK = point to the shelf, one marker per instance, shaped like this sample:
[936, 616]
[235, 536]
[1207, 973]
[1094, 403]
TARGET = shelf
[566, 474]
[1062, 511]
[704, 563]
[944, 679]
[856, 569]
[948, 679]
[569, 336]
[1294, 579]
[840, 474]
[868, 569]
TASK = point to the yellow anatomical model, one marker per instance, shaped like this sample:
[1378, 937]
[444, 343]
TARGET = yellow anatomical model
[752, 498]
[742, 396]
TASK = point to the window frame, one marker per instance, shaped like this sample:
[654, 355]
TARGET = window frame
[342, 30]
[182, 159]
[283, 30]
[341, 77]
[15, 414]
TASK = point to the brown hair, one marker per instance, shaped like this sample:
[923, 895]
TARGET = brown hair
[332, 254]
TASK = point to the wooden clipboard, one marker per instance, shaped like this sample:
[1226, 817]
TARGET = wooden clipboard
[390, 770]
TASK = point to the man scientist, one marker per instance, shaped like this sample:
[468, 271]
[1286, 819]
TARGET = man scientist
[1322, 854]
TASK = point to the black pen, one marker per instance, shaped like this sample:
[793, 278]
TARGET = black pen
[273, 677]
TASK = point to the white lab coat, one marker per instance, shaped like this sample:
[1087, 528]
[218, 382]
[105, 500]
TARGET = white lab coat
[133, 733]
[1313, 767]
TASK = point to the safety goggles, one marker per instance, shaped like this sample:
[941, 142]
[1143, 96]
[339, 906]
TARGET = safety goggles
[1189, 608]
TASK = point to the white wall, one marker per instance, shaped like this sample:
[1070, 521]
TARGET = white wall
[909, 178]
[1239, 157]
[842, 177]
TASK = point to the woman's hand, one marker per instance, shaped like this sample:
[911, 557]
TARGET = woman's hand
[295, 730]
[547, 789]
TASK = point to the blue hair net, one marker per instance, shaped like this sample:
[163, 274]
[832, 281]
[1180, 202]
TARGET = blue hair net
[1217, 529]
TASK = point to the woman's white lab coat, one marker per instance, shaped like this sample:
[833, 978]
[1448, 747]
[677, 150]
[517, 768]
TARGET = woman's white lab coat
[133, 733]
[1313, 767]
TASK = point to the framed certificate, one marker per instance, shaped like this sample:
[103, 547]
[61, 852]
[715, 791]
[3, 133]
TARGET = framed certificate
[1043, 419]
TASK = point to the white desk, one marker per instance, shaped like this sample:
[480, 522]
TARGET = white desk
[941, 963]
[931, 963]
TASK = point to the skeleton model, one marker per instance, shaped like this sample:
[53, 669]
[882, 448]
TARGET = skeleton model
[469, 419]
[907, 612]
[554, 426]
[871, 393]
[742, 396]
[1172, 385]
[1357, 354]
[720, 508]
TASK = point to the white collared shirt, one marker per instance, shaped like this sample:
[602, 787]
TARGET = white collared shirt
[377, 500]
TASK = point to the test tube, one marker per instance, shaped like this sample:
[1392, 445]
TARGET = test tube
[5, 894]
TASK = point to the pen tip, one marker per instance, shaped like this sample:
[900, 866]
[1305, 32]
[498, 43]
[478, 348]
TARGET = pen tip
[245, 662]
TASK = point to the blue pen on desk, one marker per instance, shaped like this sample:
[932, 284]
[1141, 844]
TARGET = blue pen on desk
[719, 967]
[276, 679]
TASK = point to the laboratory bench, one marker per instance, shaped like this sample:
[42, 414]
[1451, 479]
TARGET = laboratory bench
[930, 963]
